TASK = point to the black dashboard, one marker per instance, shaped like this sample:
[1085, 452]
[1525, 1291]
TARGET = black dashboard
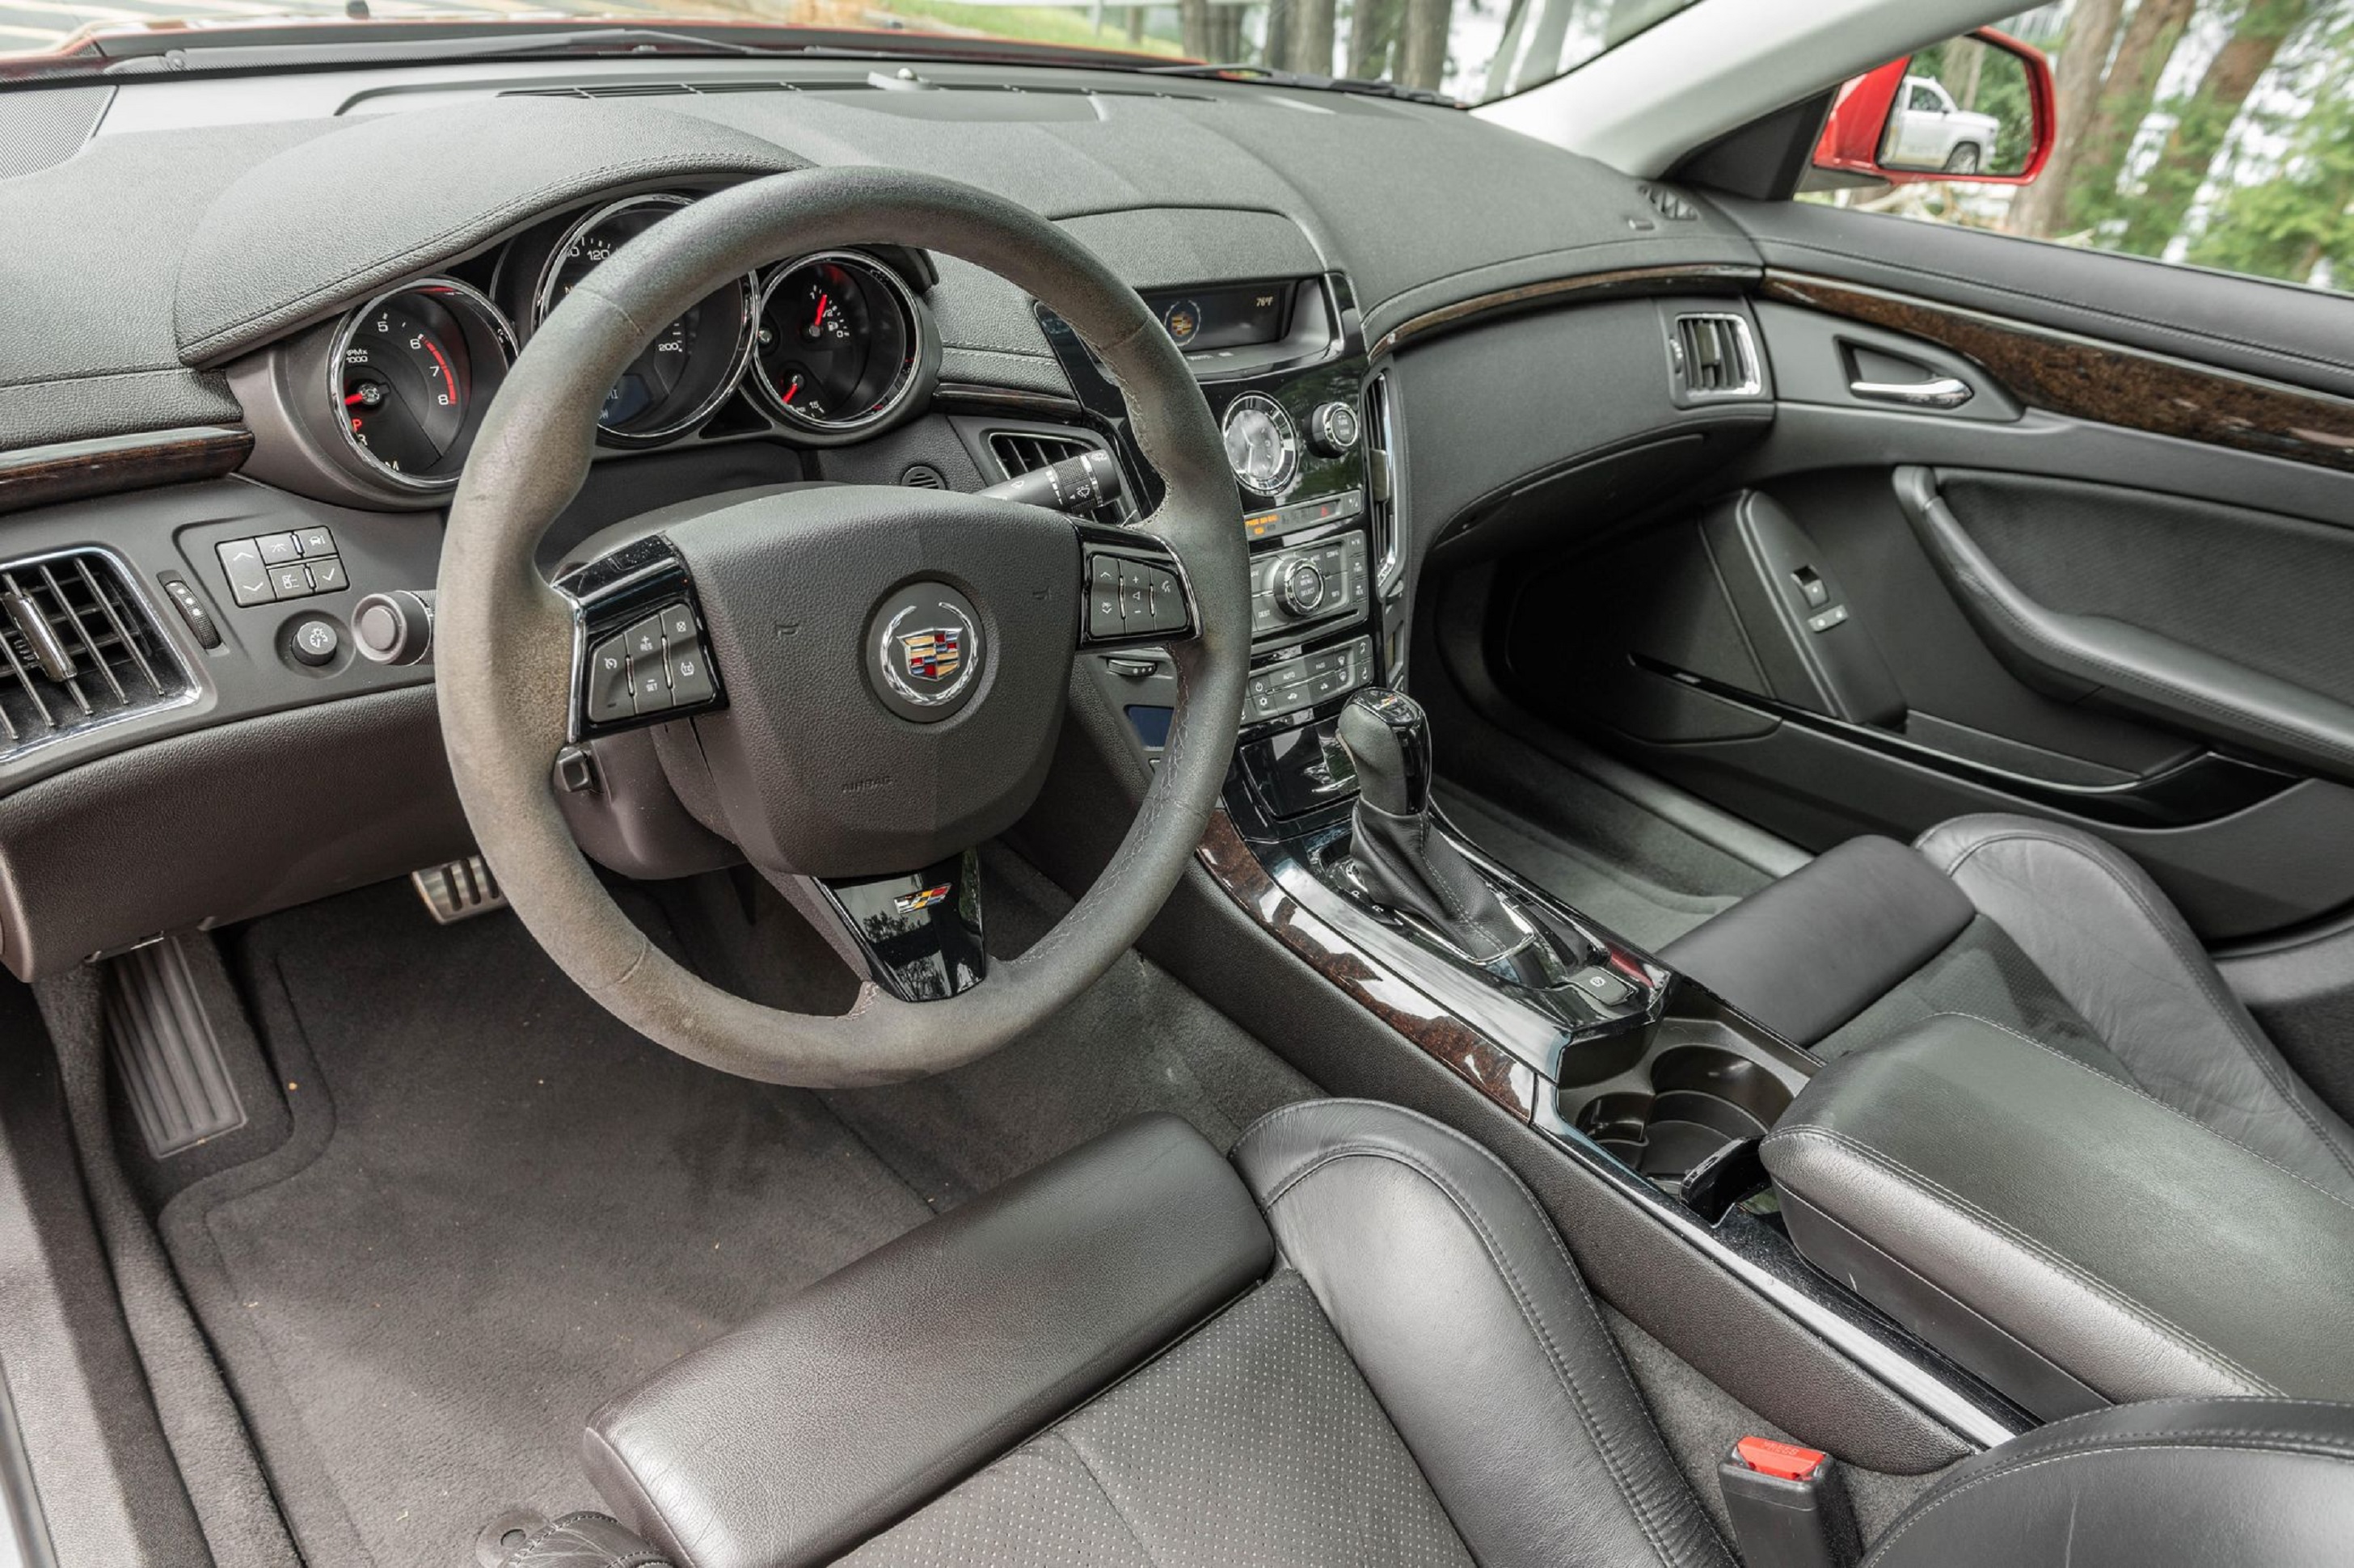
[252, 325]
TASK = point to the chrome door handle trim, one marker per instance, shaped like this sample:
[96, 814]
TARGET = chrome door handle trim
[1945, 392]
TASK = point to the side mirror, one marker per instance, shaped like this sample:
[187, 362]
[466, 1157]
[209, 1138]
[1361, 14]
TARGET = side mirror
[1975, 107]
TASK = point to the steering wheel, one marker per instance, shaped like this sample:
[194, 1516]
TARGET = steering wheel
[885, 669]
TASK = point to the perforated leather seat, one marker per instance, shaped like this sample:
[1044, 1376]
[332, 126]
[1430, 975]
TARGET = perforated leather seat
[1362, 1343]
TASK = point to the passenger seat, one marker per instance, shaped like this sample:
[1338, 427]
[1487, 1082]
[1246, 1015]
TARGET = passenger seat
[2031, 926]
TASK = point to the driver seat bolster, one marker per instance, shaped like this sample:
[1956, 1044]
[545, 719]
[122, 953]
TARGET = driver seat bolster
[843, 1407]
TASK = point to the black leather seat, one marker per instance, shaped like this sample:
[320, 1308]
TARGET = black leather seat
[2031, 927]
[1360, 1342]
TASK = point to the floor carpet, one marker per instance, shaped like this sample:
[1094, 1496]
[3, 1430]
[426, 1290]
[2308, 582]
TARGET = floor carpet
[499, 1206]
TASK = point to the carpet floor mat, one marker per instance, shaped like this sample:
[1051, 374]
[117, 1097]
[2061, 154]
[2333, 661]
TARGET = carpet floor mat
[499, 1206]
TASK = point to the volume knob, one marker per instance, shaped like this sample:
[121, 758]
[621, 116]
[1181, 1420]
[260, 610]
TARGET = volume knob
[1301, 588]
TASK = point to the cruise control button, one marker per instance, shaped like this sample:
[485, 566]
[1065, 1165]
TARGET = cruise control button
[327, 575]
[248, 579]
[606, 698]
[289, 582]
[648, 682]
[678, 624]
[689, 671]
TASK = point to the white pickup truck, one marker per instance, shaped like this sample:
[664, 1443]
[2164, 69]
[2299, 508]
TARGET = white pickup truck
[1930, 131]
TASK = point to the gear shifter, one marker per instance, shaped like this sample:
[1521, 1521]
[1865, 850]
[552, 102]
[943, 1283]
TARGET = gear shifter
[1402, 860]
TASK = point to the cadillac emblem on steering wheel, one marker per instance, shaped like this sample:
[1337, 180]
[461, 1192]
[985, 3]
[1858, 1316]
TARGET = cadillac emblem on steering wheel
[924, 651]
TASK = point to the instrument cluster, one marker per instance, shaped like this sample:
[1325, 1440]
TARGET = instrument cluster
[823, 348]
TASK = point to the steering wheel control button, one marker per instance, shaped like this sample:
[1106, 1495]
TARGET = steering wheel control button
[684, 660]
[248, 575]
[314, 641]
[924, 651]
[648, 682]
[1104, 620]
[607, 699]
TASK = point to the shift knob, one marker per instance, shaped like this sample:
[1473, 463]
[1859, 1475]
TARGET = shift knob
[1387, 738]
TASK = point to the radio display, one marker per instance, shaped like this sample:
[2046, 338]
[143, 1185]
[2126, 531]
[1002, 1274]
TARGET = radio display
[1227, 316]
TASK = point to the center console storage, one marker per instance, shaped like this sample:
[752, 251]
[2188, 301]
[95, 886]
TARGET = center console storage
[2065, 1236]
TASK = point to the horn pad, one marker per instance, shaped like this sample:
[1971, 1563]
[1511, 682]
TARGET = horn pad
[897, 662]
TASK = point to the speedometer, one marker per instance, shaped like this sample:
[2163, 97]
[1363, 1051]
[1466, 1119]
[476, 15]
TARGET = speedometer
[840, 344]
[680, 378]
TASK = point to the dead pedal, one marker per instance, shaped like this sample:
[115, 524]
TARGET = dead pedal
[459, 889]
[166, 1054]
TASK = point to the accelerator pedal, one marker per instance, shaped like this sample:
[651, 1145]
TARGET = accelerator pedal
[459, 890]
[165, 1052]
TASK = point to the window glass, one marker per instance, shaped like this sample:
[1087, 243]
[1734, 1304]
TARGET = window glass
[2210, 133]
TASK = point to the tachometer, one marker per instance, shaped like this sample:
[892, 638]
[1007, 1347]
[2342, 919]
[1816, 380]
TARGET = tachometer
[839, 346]
[692, 364]
[411, 372]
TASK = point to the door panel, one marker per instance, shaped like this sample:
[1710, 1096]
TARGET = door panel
[2108, 586]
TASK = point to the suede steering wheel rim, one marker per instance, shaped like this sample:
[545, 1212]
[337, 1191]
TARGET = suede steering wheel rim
[504, 637]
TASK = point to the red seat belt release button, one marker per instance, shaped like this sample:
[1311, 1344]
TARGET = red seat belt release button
[1788, 1505]
[1786, 1460]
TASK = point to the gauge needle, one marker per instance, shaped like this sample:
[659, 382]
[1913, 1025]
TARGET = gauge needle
[355, 397]
[819, 320]
[793, 390]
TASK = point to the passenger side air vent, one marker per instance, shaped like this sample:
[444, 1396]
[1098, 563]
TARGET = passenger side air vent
[1026, 452]
[81, 651]
[1716, 356]
[1671, 204]
[1380, 470]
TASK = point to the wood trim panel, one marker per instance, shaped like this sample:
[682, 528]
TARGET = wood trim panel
[2086, 379]
[69, 471]
[1708, 276]
[1479, 1061]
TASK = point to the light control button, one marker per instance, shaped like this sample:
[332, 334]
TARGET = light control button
[315, 640]
[607, 699]
[248, 579]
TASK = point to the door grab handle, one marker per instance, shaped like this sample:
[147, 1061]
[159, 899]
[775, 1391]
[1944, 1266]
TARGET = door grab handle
[1945, 392]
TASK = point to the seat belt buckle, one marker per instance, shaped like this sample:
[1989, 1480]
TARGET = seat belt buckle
[1789, 1506]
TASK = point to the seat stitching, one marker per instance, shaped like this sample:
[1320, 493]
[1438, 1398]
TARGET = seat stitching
[2192, 965]
[1103, 1492]
[2098, 1287]
[2176, 1112]
[1521, 1300]
[2006, 1471]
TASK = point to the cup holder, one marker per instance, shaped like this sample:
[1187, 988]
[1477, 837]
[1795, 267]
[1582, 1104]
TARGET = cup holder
[1701, 1099]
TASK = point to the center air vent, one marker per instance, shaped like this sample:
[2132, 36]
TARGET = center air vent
[80, 650]
[1716, 358]
[1026, 452]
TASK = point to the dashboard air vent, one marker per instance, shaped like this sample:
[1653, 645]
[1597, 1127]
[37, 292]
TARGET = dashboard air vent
[1716, 358]
[1671, 204]
[924, 476]
[1026, 452]
[1381, 468]
[81, 650]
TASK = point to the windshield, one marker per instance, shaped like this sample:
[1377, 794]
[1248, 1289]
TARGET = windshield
[1471, 50]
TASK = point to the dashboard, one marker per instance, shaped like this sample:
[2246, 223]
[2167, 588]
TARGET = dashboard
[251, 337]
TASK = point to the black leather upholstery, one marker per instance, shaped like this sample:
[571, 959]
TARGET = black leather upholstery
[837, 1411]
[1421, 1381]
[2223, 1483]
[1459, 1305]
[2064, 1235]
[1809, 952]
[2116, 948]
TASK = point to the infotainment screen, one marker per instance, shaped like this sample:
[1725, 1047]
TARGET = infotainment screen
[1224, 316]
